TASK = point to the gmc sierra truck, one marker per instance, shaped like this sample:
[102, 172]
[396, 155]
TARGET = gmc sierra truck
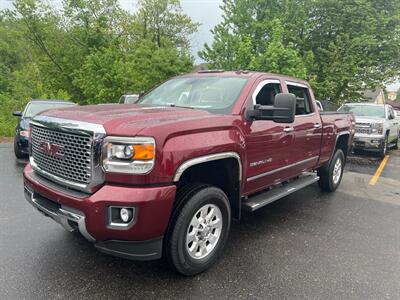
[166, 176]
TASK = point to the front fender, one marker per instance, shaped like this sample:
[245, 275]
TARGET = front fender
[189, 149]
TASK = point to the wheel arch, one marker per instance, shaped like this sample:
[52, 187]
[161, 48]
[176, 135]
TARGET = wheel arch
[342, 142]
[223, 170]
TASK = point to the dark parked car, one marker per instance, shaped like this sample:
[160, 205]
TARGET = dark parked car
[22, 130]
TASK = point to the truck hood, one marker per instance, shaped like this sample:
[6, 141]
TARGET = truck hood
[369, 120]
[127, 120]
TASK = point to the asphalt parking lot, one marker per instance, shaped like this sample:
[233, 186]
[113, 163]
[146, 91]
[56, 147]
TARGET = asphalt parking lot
[309, 245]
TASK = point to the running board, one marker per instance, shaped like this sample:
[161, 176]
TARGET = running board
[276, 193]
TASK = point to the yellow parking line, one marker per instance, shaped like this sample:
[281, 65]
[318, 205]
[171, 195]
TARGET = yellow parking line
[378, 172]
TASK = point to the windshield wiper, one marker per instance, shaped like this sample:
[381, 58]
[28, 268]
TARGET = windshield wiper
[180, 106]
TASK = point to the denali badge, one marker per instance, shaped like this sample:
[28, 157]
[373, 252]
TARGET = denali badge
[51, 149]
[260, 162]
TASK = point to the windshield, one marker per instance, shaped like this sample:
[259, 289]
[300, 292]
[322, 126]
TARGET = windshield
[34, 108]
[215, 94]
[373, 111]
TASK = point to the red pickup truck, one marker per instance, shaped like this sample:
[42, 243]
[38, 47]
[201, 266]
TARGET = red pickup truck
[167, 175]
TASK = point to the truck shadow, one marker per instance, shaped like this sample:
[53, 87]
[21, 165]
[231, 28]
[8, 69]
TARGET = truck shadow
[71, 259]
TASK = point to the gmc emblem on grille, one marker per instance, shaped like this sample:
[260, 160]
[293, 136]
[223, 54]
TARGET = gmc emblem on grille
[51, 149]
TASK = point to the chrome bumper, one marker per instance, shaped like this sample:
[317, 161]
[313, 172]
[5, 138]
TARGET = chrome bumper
[368, 142]
[65, 216]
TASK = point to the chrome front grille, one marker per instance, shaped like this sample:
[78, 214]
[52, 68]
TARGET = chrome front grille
[363, 130]
[67, 152]
[71, 159]
[363, 124]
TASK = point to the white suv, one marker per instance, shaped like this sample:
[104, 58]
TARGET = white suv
[377, 127]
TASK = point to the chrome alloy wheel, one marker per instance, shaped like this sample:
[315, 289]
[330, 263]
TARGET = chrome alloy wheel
[204, 231]
[337, 171]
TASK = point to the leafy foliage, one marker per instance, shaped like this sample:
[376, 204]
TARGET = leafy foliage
[89, 52]
[342, 47]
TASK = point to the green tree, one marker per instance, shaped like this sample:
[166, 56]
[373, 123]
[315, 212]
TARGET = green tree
[163, 22]
[89, 52]
[345, 46]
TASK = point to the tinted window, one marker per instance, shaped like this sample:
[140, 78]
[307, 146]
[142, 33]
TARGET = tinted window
[34, 108]
[266, 96]
[303, 101]
[391, 113]
[215, 94]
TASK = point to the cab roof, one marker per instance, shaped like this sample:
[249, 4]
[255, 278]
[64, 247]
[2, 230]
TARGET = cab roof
[244, 73]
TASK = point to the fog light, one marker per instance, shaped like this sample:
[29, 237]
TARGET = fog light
[124, 214]
[120, 217]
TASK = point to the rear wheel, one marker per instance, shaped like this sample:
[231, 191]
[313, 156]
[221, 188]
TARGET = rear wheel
[396, 144]
[199, 229]
[330, 176]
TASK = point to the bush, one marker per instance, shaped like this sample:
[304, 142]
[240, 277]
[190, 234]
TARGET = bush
[7, 120]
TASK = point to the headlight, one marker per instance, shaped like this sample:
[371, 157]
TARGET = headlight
[129, 155]
[24, 133]
[377, 128]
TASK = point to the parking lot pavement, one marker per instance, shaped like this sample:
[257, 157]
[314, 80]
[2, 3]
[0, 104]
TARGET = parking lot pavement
[344, 245]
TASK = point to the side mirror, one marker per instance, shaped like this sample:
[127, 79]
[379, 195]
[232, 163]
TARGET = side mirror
[17, 114]
[283, 110]
[141, 94]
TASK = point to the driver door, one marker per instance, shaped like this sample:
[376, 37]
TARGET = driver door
[267, 143]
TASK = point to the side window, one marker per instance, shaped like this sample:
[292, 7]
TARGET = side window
[303, 101]
[266, 96]
[391, 113]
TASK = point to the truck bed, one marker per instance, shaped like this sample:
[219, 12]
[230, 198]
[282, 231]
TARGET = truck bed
[334, 124]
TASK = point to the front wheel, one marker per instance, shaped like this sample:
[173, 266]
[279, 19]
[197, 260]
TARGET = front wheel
[384, 147]
[330, 176]
[199, 230]
[17, 151]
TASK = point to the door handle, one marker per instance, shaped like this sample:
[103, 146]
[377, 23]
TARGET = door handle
[288, 129]
[317, 125]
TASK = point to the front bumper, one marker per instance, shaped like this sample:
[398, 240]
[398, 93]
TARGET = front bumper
[87, 213]
[370, 143]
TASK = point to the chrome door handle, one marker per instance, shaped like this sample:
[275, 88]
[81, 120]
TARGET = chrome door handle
[317, 125]
[288, 129]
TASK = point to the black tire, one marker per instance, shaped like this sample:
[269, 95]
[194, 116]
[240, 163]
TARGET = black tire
[17, 152]
[396, 145]
[384, 147]
[326, 173]
[190, 200]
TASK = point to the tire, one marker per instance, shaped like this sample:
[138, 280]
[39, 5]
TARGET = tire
[396, 145]
[331, 175]
[191, 247]
[17, 152]
[384, 147]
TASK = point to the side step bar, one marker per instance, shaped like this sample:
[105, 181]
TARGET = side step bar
[260, 200]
